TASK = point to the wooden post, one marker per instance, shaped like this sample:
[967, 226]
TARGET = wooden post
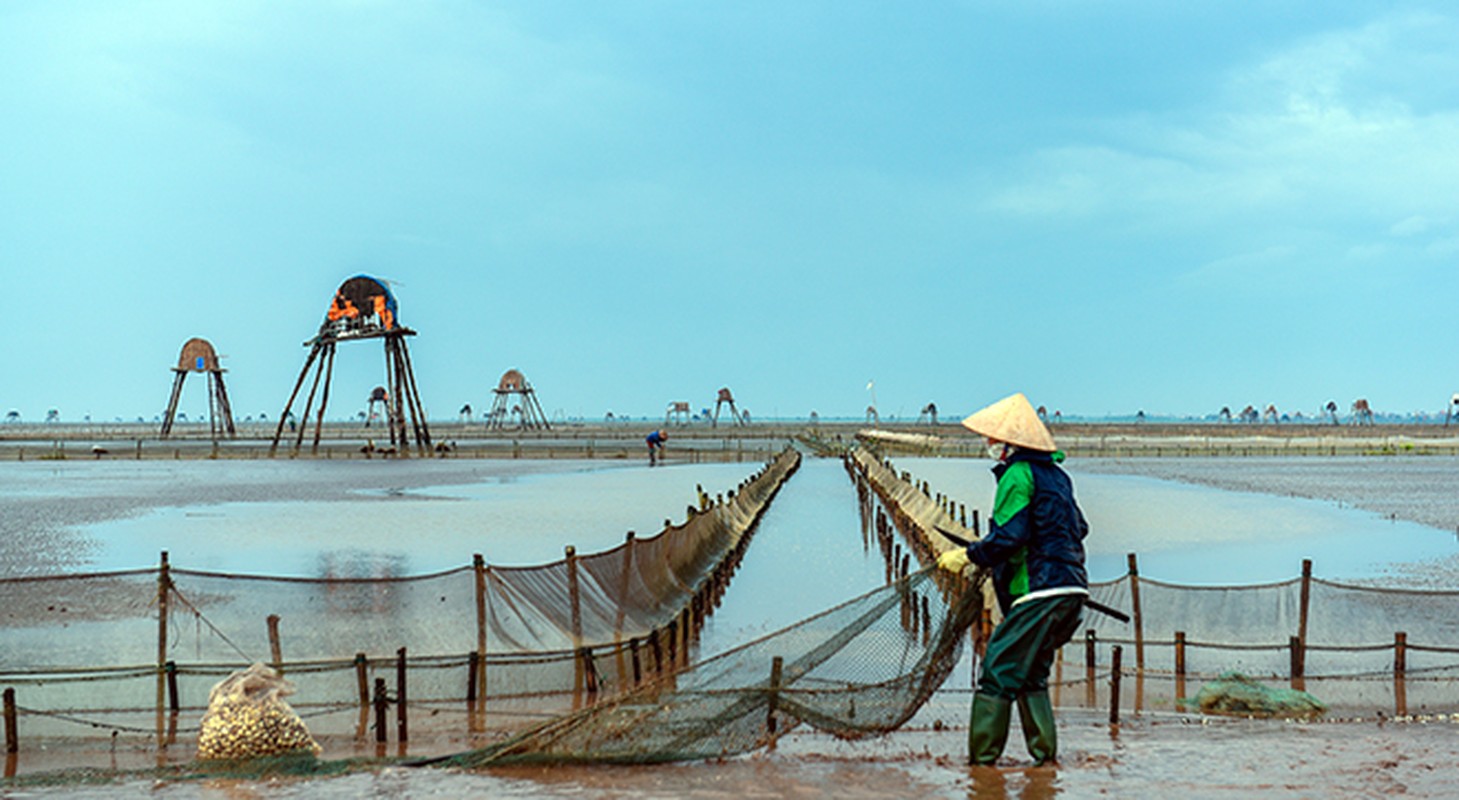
[172, 704]
[1400, 671]
[575, 623]
[1114, 685]
[1135, 615]
[777, 665]
[590, 671]
[362, 680]
[402, 731]
[1297, 664]
[164, 595]
[473, 665]
[12, 735]
[1305, 602]
[275, 649]
[1179, 670]
[381, 701]
[478, 564]
[637, 667]
[1089, 664]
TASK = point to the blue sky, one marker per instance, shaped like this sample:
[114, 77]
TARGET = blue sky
[1110, 207]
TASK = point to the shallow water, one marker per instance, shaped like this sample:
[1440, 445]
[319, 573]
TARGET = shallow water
[299, 517]
[1188, 533]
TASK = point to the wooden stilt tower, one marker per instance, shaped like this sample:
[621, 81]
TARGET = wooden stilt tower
[527, 410]
[725, 397]
[198, 355]
[363, 308]
[381, 396]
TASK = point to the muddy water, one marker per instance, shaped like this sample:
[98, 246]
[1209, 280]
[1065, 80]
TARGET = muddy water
[807, 555]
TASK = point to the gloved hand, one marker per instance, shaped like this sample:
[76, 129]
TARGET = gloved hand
[955, 560]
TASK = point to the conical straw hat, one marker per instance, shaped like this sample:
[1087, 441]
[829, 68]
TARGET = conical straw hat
[1014, 421]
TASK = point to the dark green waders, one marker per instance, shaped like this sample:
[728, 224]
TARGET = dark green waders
[1016, 668]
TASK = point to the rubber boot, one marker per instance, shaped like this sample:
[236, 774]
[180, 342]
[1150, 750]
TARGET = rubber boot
[1036, 714]
[989, 730]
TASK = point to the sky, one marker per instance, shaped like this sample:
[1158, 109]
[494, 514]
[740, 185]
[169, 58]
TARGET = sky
[1112, 207]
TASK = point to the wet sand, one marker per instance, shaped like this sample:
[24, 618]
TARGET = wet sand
[1150, 755]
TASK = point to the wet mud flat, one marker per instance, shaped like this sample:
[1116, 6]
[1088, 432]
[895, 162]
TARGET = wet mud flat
[1420, 489]
[1148, 754]
[1145, 755]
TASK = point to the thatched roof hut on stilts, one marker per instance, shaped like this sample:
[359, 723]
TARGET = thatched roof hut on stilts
[363, 308]
[198, 355]
[526, 410]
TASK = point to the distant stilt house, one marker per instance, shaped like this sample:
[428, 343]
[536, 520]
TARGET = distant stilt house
[198, 355]
[378, 396]
[363, 308]
[726, 397]
[515, 401]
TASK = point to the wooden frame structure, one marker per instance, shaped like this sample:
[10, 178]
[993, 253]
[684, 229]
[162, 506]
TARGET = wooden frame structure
[363, 308]
[725, 396]
[527, 410]
[198, 355]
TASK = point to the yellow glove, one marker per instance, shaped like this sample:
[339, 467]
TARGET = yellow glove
[955, 560]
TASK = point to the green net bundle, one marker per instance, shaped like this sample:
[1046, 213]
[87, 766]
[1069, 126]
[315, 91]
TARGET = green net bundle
[1234, 694]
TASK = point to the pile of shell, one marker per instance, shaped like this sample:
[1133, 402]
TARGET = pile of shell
[247, 717]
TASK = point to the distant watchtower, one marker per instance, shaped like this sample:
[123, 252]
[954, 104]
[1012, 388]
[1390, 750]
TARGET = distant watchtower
[198, 355]
[726, 397]
[526, 410]
[363, 308]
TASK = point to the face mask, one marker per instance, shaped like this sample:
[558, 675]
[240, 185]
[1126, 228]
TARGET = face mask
[996, 450]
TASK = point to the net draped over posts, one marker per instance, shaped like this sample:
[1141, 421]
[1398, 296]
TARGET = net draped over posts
[83, 650]
[1360, 649]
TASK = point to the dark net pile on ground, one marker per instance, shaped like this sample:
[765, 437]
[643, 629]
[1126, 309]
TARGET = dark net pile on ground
[83, 650]
[860, 669]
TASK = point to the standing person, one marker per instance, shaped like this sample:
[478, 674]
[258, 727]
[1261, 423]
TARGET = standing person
[1035, 551]
[656, 446]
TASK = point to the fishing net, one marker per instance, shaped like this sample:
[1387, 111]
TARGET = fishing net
[1234, 694]
[860, 669]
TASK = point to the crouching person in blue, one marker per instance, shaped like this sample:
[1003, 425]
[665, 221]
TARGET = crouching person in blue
[1034, 551]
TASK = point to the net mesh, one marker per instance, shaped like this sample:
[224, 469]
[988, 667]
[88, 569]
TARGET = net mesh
[1362, 649]
[88, 652]
[860, 669]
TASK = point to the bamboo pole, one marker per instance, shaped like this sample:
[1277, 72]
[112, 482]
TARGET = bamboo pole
[276, 649]
[12, 728]
[283, 417]
[1136, 616]
[164, 594]
[324, 398]
[1305, 604]
[362, 683]
[381, 701]
[1400, 674]
[478, 563]
[402, 729]
[1298, 667]
[328, 347]
[1089, 665]
[1114, 685]
[777, 665]
[1179, 670]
